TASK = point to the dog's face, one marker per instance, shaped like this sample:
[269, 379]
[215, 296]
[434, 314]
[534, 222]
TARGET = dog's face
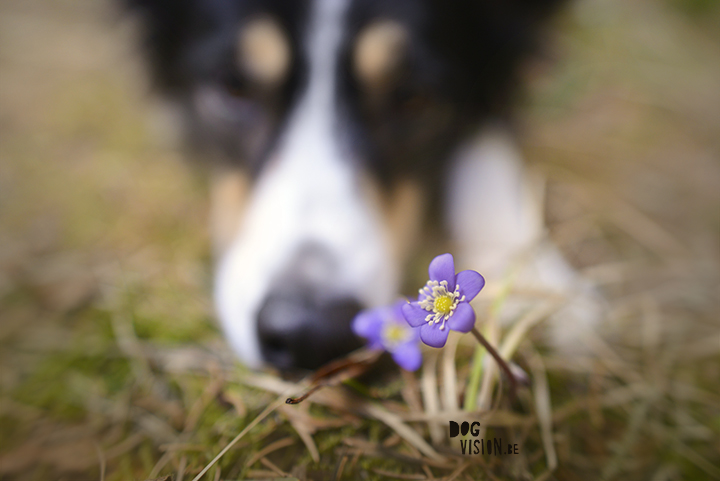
[337, 118]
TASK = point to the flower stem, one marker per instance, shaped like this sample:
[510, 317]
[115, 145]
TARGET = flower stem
[501, 362]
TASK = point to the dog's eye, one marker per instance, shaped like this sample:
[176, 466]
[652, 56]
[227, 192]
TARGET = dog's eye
[235, 84]
[263, 52]
[378, 54]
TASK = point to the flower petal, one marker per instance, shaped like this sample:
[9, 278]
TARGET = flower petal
[470, 283]
[442, 268]
[368, 324]
[396, 311]
[463, 319]
[408, 356]
[414, 314]
[433, 336]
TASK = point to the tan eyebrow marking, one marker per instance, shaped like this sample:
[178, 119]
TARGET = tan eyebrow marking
[263, 51]
[229, 191]
[378, 52]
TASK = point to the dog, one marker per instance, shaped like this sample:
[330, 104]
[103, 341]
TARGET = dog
[344, 132]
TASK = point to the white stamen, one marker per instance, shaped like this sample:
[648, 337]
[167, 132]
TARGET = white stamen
[434, 290]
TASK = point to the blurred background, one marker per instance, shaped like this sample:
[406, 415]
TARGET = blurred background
[105, 313]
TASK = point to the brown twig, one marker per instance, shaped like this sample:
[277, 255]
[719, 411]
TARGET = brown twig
[337, 371]
[299, 399]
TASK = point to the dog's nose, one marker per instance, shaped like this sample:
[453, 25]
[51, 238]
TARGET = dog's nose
[297, 331]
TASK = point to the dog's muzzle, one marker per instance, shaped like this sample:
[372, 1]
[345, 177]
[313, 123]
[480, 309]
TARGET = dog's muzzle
[300, 329]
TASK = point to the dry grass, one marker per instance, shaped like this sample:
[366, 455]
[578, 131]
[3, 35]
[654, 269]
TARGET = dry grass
[112, 368]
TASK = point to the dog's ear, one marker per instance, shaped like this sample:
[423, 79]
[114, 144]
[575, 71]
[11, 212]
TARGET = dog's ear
[167, 27]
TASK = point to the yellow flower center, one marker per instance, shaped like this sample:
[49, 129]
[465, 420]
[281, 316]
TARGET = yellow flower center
[439, 301]
[393, 335]
[443, 304]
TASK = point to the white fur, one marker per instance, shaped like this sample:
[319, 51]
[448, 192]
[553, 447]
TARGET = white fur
[495, 217]
[309, 193]
[493, 210]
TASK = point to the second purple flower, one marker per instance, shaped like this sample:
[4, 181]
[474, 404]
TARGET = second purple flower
[385, 328]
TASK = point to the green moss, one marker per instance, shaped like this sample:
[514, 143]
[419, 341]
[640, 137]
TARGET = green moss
[176, 330]
[49, 387]
[696, 8]
[10, 428]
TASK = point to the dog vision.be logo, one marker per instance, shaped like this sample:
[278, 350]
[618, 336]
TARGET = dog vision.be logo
[479, 446]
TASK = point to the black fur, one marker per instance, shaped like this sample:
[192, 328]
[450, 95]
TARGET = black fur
[462, 69]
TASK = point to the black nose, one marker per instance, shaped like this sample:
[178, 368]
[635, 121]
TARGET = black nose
[297, 331]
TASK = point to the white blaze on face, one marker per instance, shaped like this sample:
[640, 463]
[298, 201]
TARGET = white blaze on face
[308, 194]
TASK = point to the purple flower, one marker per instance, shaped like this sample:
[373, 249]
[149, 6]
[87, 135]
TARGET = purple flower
[444, 302]
[385, 328]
